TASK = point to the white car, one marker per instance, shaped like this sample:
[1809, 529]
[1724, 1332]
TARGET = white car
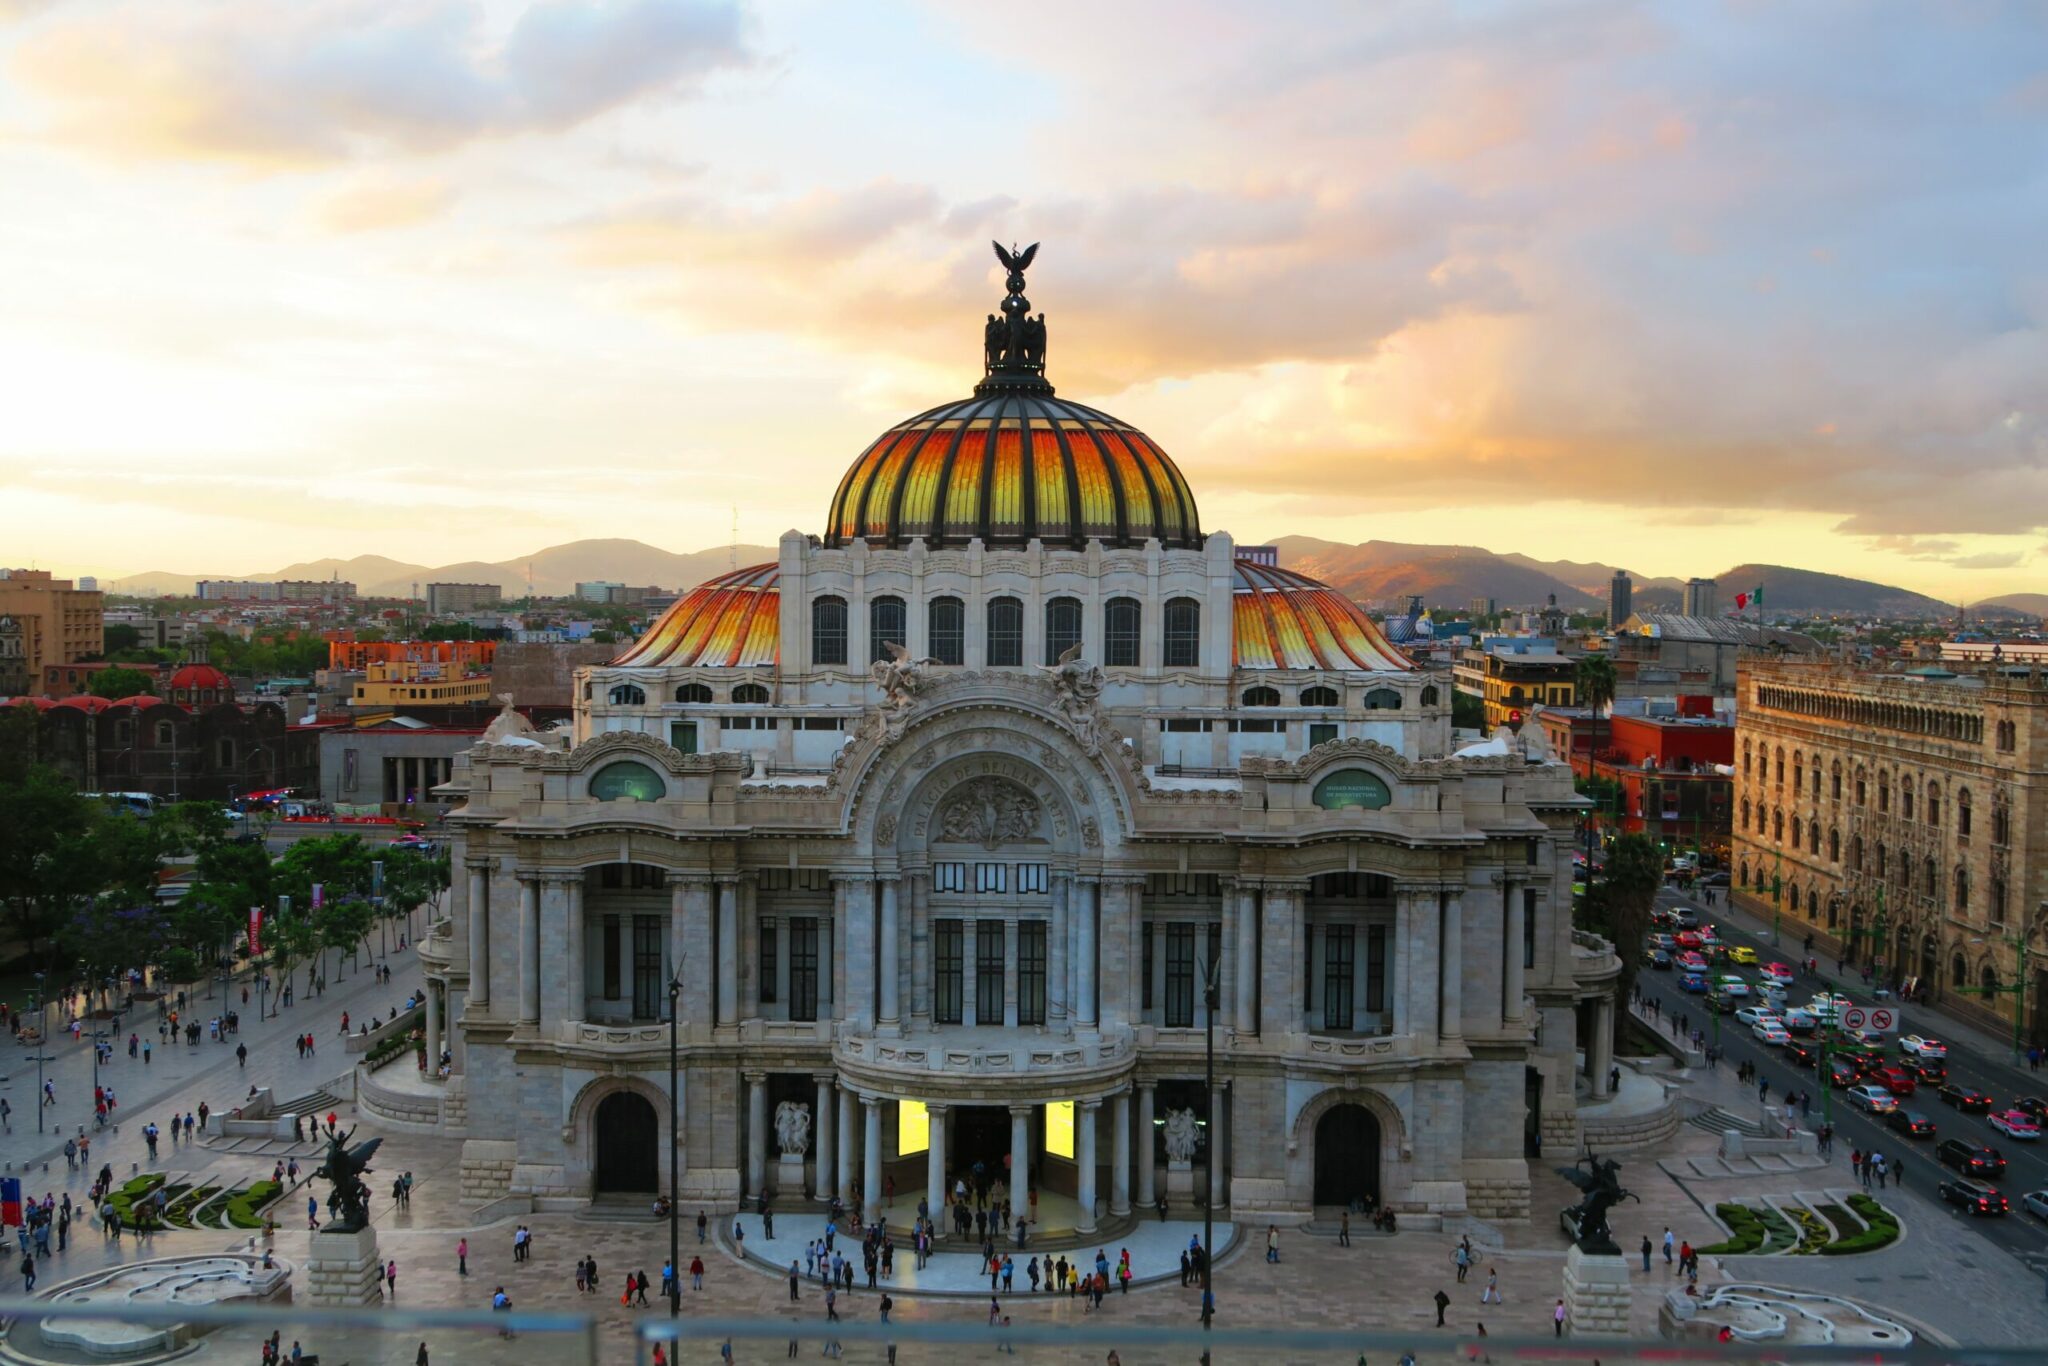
[1915, 1046]
[2035, 1203]
[1756, 1015]
[1801, 1021]
[1875, 1099]
[1732, 987]
[2015, 1124]
[1771, 1032]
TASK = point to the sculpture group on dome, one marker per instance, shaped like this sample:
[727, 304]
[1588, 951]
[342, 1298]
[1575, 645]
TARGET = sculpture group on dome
[1015, 341]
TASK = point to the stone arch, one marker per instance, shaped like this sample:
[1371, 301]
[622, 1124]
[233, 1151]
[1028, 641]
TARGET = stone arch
[579, 1129]
[1393, 1156]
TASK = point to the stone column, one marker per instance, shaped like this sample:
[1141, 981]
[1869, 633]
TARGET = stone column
[480, 937]
[1600, 1048]
[1512, 973]
[1226, 980]
[1010, 972]
[1120, 1155]
[529, 948]
[1423, 960]
[871, 1170]
[574, 967]
[1084, 1161]
[1219, 1120]
[824, 1149]
[757, 1132]
[1148, 1178]
[1397, 957]
[858, 941]
[1084, 969]
[971, 1007]
[1280, 1004]
[437, 993]
[1247, 960]
[1020, 1162]
[921, 948]
[849, 1139]
[748, 950]
[1453, 960]
[699, 961]
[1057, 1006]
[935, 1170]
[728, 952]
[887, 972]
[836, 970]
[678, 949]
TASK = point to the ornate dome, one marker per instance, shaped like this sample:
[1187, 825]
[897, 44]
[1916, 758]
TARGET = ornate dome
[140, 701]
[730, 622]
[200, 678]
[1284, 620]
[1013, 464]
[85, 702]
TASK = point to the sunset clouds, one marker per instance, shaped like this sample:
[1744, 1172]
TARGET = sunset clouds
[1699, 284]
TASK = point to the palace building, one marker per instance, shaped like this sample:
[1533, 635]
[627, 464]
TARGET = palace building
[936, 823]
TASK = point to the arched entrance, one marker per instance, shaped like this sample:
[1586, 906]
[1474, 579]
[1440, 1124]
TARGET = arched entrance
[628, 1144]
[1347, 1156]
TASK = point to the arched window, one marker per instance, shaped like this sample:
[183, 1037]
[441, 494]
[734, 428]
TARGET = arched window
[1816, 777]
[1062, 627]
[1122, 625]
[1835, 781]
[1963, 811]
[1005, 633]
[627, 779]
[1862, 789]
[1798, 770]
[1318, 697]
[888, 624]
[166, 734]
[1994, 909]
[1958, 972]
[1813, 837]
[946, 630]
[1884, 792]
[1855, 853]
[1742, 876]
[1515, 695]
[1183, 633]
[1934, 803]
[628, 695]
[1779, 780]
[2001, 820]
[1745, 758]
[1383, 699]
[1906, 798]
[1795, 833]
[750, 695]
[697, 693]
[1778, 826]
[1261, 697]
[1745, 813]
[1812, 904]
[1988, 979]
[828, 631]
[2008, 736]
[1429, 696]
[1883, 861]
[1834, 846]
[1962, 905]
[224, 753]
[1930, 877]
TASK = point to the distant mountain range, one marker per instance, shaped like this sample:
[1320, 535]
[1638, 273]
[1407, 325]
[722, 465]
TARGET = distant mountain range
[1384, 572]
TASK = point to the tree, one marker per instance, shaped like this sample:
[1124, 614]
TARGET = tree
[51, 856]
[1595, 677]
[120, 682]
[1633, 875]
[1467, 711]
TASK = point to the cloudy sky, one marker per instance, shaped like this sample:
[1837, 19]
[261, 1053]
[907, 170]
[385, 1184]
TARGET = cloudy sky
[1672, 286]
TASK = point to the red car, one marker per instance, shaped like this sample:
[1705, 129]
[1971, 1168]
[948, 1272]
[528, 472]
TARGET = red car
[1896, 1080]
[1689, 939]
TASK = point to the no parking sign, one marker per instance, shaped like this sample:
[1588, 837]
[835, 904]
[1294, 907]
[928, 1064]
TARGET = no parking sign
[1876, 1019]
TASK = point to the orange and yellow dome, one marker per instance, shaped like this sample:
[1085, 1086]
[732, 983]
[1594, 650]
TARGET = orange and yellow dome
[1284, 620]
[1009, 468]
[731, 622]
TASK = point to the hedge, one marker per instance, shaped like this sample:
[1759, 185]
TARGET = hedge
[245, 1207]
[1745, 1231]
[1882, 1228]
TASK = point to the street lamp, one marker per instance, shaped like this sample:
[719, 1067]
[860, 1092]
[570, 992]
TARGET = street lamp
[284, 910]
[42, 1043]
[2018, 989]
[377, 905]
[1777, 894]
[675, 1193]
[1212, 1003]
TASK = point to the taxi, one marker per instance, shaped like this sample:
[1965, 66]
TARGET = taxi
[1781, 971]
[1742, 953]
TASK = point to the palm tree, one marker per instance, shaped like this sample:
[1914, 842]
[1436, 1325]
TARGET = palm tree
[1633, 875]
[1595, 678]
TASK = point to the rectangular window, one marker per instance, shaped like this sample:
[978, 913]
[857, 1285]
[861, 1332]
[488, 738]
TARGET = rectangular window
[683, 735]
[991, 877]
[1033, 877]
[988, 972]
[1031, 972]
[1184, 725]
[946, 619]
[611, 958]
[1180, 976]
[1339, 945]
[1528, 928]
[1258, 726]
[1005, 633]
[818, 723]
[1376, 967]
[946, 979]
[1321, 733]
[767, 963]
[649, 991]
[949, 877]
[803, 967]
[1121, 618]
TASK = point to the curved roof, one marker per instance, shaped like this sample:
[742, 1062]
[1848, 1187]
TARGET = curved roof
[85, 702]
[730, 622]
[199, 677]
[1284, 620]
[1010, 467]
[141, 700]
[39, 703]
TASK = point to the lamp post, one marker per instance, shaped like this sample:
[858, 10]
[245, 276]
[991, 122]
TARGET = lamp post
[675, 1195]
[42, 1042]
[284, 910]
[1212, 1004]
[377, 905]
[2018, 989]
[1777, 894]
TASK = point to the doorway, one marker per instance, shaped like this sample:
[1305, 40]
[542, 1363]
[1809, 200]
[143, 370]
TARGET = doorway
[1348, 1157]
[628, 1144]
[981, 1136]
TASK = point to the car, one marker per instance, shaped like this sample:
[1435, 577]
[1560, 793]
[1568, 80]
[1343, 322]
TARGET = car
[1732, 986]
[1801, 1055]
[1660, 960]
[1668, 943]
[1896, 1080]
[1719, 1004]
[1913, 1045]
[414, 841]
[2033, 1105]
[1867, 1062]
[1968, 1099]
[1771, 1032]
[1971, 1159]
[1781, 971]
[1708, 934]
[1717, 878]
[1931, 1071]
[1693, 981]
[1867, 1038]
[1799, 1020]
[1754, 1015]
[1684, 917]
[2035, 1203]
[1875, 1099]
[1911, 1123]
[1689, 939]
[1974, 1196]
[1742, 953]
[1841, 1073]
[1692, 960]
[2017, 1125]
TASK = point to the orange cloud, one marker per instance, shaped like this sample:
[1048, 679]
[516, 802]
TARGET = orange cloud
[376, 206]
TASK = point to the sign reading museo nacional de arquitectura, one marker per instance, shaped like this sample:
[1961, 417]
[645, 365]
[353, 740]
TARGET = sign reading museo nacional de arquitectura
[940, 819]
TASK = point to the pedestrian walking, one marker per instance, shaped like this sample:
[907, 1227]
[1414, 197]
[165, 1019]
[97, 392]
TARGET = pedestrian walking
[1491, 1295]
[1443, 1302]
[391, 1279]
[1463, 1260]
[462, 1257]
[794, 1297]
[1344, 1229]
[697, 1275]
[1646, 1253]
[1557, 1319]
[1669, 1243]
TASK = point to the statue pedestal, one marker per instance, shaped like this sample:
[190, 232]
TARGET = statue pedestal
[1180, 1180]
[1596, 1294]
[343, 1268]
[789, 1174]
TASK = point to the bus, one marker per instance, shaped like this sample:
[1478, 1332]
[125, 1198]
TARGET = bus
[141, 805]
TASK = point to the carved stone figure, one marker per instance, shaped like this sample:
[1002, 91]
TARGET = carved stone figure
[1600, 1181]
[885, 828]
[793, 1127]
[990, 812]
[901, 679]
[1535, 740]
[1077, 689]
[348, 1199]
[1181, 1132]
[1091, 833]
[506, 725]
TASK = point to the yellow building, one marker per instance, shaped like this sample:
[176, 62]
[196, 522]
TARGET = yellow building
[58, 622]
[412, 682]
[1511, 674]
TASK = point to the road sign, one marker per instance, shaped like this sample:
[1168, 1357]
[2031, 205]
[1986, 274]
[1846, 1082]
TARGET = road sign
[1876, 1019]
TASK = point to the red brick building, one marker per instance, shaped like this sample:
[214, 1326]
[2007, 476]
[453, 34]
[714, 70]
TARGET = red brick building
[1674, 773]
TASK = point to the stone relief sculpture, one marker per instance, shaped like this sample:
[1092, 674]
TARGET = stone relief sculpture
[885, 828]
[1077, 689]
[1180, 1135]
[990, 812]
[901, 679]
[793, 1127]
[507, 725]
[1535, 740]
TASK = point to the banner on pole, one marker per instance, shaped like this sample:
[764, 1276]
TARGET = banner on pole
[10, 1201]
[255, 931]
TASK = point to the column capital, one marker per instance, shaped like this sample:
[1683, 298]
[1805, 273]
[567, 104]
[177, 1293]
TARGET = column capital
[755, 1078]
[478, 865]
[936, 1108]
[871, 1102]
[1090, 1105]
[825, 1078]
[1146, 1085]
[1021, 1111]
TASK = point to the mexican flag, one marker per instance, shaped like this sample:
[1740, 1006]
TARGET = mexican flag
[1754, 597]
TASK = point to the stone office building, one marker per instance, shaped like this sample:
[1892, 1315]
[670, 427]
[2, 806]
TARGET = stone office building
[936, 822]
